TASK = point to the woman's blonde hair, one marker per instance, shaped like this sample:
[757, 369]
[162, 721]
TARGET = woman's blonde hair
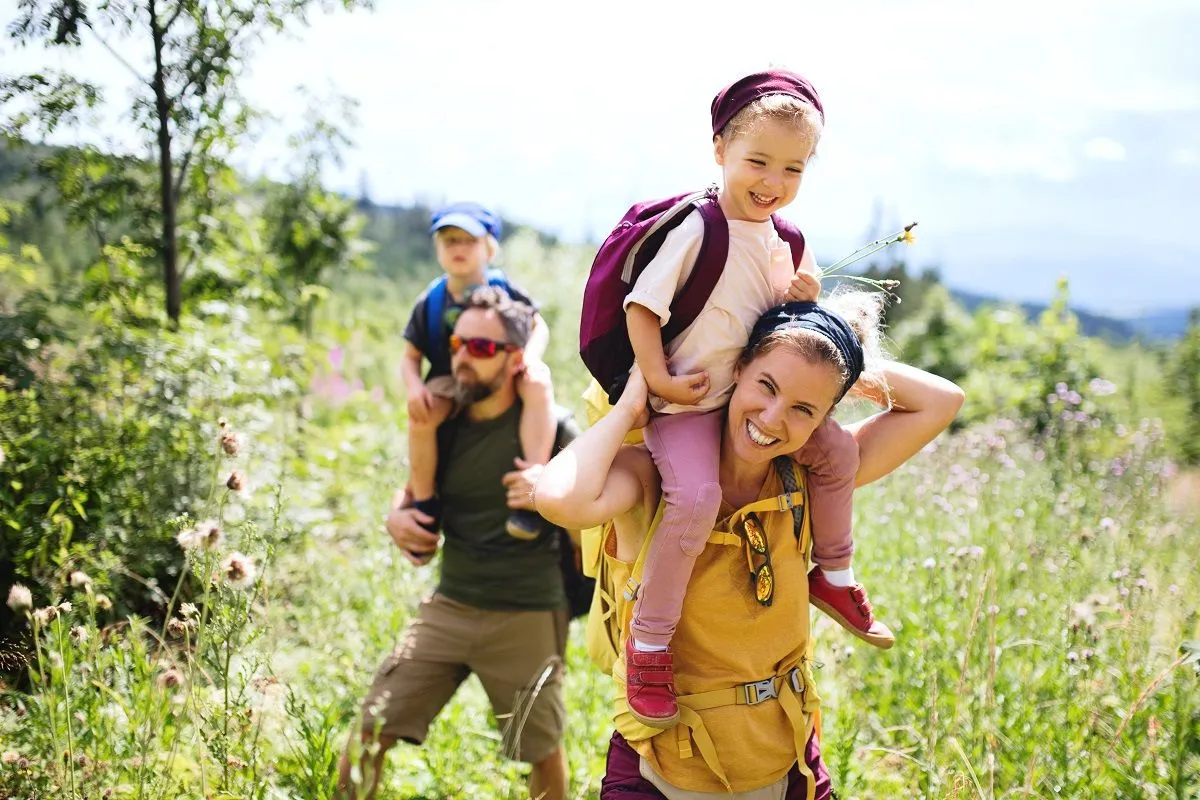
[863, 311]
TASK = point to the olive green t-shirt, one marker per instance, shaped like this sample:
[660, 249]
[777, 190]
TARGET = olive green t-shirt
[482, 565]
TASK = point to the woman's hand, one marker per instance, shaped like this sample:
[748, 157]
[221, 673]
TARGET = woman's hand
[635, 398]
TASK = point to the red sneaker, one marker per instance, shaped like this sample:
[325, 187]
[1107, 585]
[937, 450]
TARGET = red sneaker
[850, 608]
[650, 687]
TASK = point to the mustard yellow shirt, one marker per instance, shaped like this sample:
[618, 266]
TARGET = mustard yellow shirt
[726, 638]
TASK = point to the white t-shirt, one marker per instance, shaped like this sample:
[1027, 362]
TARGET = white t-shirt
[757, 274]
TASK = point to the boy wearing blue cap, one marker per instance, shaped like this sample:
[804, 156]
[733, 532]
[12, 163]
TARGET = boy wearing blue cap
[466, 240]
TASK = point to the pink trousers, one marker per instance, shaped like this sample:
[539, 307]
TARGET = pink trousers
[686, 450]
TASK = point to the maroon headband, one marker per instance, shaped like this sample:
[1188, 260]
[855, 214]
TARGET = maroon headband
[733, 98]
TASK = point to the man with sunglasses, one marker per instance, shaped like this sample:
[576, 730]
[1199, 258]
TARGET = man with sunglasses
[499, 609]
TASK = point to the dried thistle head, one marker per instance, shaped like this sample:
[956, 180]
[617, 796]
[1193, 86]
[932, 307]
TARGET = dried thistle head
[231, 443]
[170, 679]
[239, 571]
[20, 599]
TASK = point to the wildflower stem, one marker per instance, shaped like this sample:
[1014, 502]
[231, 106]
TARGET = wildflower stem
[67, 703]
[868, 249]
[45, 684]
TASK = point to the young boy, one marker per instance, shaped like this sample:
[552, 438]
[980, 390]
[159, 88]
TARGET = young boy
[466, 241]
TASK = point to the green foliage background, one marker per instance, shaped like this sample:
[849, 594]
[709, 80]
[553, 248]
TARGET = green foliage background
[1037, 561]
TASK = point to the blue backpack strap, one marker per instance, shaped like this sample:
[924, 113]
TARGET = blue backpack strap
[436, 297]
[710, 263]
[435, 315]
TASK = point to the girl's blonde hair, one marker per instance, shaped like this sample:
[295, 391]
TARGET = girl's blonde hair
[863, 310]
[781, 108]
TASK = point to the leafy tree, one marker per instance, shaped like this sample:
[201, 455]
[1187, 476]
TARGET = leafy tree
[1183, 379]
[310, 230]
[187, 107]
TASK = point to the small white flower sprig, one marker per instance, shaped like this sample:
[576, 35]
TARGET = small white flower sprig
[904, 235]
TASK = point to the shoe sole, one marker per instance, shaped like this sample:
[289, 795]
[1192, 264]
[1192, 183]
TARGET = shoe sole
[663, 723]
[521, 533]
[882, 642]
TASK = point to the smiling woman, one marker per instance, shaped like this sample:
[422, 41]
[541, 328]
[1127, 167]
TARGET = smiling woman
[747, 702]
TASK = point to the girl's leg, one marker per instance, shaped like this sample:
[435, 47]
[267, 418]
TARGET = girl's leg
[539, 425]
[538, 431]
[423, 458]
[686, 450]
[831, 458]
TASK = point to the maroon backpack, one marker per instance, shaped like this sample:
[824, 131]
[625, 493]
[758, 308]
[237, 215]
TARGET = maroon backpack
[603, 336]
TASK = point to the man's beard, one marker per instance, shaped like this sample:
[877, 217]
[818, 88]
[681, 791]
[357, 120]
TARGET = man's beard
[472, 390]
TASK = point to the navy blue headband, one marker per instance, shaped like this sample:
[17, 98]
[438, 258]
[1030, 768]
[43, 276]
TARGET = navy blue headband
[812, 317]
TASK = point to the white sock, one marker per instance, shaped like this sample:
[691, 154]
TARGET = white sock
[642, 647]
[839, 577]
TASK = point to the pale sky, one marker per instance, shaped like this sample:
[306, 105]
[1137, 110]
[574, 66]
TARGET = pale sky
[1031, 139]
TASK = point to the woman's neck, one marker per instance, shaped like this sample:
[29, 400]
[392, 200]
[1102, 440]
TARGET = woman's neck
[741, 482]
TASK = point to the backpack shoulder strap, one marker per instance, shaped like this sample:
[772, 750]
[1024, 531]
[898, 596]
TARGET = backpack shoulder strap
[796, 497]
[710, 263]
[496, 277]
[435, 307]
[435, 315]
[792, 235]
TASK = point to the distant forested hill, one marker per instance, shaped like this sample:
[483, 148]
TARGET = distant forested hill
[403, 248]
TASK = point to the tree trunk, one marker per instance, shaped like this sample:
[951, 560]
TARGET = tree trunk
[162, 110]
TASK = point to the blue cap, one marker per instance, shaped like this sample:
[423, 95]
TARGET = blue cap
[471, 217]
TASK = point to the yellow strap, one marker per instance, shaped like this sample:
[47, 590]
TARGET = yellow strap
[729, 696]
[725, 539]
[802, 728]
[780, 502]
[704, 743]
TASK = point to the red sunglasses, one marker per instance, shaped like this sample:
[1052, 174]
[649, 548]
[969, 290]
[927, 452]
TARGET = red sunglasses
[479, 347]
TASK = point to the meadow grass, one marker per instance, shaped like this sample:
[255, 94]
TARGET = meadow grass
[1041, 592]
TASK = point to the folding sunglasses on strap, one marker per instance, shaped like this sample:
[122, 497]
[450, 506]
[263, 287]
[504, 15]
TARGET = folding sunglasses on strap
[758, 558]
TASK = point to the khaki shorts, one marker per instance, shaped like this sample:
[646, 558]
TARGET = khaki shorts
[518, 656]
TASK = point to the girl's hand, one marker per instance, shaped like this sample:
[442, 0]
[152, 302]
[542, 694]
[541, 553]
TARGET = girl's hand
[805, 287]
[683, 390]
[636, 398]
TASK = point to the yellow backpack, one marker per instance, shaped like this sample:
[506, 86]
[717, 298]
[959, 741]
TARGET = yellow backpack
[612, 606]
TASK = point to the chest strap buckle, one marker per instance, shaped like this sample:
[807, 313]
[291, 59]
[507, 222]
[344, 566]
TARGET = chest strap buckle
[760, 691]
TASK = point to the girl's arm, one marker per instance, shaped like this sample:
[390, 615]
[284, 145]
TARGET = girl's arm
[593, 480]
[645, 334]
[922, 406]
